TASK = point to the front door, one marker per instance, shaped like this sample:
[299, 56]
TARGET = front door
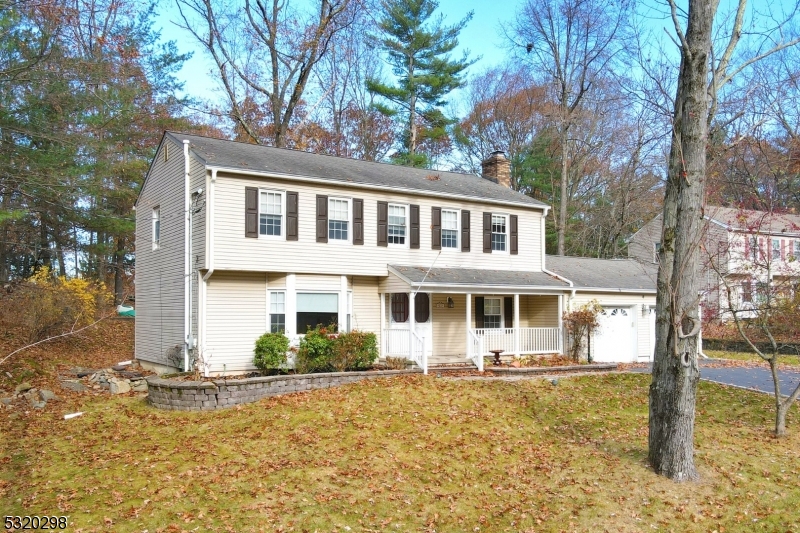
[422, 320]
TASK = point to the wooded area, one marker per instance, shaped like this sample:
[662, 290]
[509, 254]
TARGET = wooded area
[583, 106]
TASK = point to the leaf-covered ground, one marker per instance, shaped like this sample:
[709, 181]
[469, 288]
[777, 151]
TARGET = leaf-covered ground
[409, 454]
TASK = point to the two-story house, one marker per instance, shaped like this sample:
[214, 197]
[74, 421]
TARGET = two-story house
[236, 239]
[751, 252]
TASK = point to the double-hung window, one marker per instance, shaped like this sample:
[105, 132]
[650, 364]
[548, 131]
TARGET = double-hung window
[338, 219]
[797, 249]
[156, 227]
[776, 249]
[398, 223]
[492, 315]
[277, 312]
[449, 229]
[270, 214]
[754, 248]
[499, 233]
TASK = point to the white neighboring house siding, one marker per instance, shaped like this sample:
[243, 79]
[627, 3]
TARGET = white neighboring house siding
[232, 250]
[160, 273]
[636, 301]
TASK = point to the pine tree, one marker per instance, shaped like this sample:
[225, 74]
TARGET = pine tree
[418, 49]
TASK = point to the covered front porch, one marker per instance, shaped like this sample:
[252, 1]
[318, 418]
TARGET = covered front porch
[430, 319]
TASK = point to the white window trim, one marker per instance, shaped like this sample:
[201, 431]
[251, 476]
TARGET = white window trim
[507, 251]
[156, 218]
[349, 239]
[270, 291]
[407, 208]
[458, 231]
[282, 236]
[502, 310]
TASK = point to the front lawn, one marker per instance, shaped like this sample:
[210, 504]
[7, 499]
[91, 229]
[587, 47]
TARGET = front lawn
[410, 454]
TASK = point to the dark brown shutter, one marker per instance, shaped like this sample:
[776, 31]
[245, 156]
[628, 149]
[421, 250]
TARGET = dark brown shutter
[508, 311]
[465, 235]
[358, 221]
[414, 227]
[479, 311]
[514, 235]
[383, 223]
[487, 233]
[251, 212]
[291, 216]
[322, 218]
[436, 228]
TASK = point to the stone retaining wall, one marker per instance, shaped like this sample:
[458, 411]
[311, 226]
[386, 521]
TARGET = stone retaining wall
[222, 393]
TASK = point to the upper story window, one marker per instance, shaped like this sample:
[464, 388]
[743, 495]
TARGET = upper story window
[776, 249]
[398, 222]
[338, 219]
[499, 233]
[270, 216]
[156, 227]
[754, 248]
[449, 229]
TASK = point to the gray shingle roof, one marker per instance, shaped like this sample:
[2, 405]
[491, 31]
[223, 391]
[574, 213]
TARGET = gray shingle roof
[760, 221]
[612, 274]
[479, 277]
[243, 156]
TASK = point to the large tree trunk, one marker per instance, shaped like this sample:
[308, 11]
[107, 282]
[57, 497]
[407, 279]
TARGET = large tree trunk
[561, 227]
[675, 371]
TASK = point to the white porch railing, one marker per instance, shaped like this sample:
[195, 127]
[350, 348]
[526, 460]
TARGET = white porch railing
[396, 342]
[475, 350]
[531, 340]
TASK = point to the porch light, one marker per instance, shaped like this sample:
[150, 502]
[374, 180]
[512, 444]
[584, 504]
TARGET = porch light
[450, 303]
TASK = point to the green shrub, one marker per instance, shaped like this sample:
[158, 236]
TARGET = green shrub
[315, 352]
[356, 350]
[270, 351]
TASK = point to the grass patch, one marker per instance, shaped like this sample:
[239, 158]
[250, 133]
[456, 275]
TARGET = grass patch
[408, 454]
[750, 356]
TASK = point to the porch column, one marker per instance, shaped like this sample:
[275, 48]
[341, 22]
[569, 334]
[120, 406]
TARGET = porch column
[561, 324]
[469, 316]
[381, 336]
[411, 298]
[516, 326]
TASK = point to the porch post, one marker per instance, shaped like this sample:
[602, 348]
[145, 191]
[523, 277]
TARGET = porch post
[381, 335]
[516, 326]
[469, 315]
[411, 298]
[561, 324]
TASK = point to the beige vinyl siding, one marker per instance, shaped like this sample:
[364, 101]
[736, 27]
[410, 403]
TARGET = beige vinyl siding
[634, 301]
[449, 325]
[236, 316]
[159, 273]
[276, 280]
[393, 283]
[306, 282]
[234, 251]
[538, 311]
[366, 314]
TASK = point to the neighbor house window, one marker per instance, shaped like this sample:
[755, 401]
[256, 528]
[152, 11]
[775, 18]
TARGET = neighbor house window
[317, 309]
[338, 219]
[270, 216]
[399, 307]
[656, 250]
[797, 249]
[754, 248]
[397, 224]
[156, 227]
[449, 229]
[277, 312]
[491, 313]
[499, 233]
[776, 249]
[747, 291]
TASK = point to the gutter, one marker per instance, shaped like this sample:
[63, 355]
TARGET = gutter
[187, 259]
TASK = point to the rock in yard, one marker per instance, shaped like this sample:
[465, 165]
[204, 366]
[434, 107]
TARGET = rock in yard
[76, 386]
[47, 395]
[120, 386]
[85, 373]
[118, 368]
[38, 405]
[6, 401]
[139, 386]
[22, 387]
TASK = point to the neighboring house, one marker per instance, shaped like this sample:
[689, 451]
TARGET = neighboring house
[236, 239]
[751, 252]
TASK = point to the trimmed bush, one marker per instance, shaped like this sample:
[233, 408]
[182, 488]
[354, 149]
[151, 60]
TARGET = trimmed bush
[315, 352]
[270, 351]
[356, 350]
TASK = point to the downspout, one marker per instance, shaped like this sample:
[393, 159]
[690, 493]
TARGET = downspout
[187, 262]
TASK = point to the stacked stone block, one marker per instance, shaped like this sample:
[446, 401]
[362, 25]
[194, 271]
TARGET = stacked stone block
[219, 394]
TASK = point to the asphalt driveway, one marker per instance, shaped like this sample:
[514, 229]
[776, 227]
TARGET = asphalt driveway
[748, 377]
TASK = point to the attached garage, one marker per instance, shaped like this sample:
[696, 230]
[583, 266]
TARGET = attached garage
[615, 338]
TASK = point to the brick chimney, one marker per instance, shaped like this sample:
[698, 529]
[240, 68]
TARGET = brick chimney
[497, 168]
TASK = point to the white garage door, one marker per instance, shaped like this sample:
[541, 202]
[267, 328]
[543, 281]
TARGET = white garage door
[615, 337]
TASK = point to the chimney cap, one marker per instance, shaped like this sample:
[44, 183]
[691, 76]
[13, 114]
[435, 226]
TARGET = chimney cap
[497, 153]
